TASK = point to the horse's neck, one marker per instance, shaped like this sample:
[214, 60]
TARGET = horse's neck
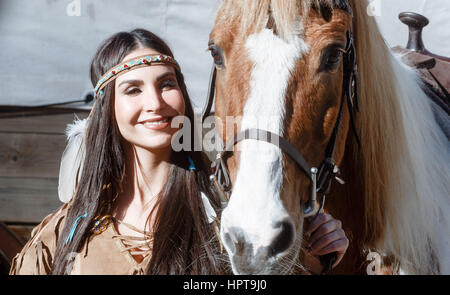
[346, 203]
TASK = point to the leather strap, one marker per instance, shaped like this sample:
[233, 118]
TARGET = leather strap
[211, 94]
[272, 138]
[220, 168]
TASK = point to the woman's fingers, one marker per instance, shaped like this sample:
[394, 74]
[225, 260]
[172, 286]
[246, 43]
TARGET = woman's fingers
[319, 220]
[335, 241]
[325, 228]
[339, 246]
[326, 236]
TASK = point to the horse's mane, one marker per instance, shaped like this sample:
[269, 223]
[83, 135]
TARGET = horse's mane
[404, 154]
[405, 157]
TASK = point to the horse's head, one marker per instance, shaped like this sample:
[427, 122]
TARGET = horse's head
[279, 68]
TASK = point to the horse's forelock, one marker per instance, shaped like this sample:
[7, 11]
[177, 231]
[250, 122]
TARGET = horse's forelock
[254, 15]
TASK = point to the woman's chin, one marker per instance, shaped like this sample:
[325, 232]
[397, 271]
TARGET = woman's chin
[154, 141]
[155, 145]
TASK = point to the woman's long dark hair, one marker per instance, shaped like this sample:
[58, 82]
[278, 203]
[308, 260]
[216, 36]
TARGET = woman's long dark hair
[184, 242]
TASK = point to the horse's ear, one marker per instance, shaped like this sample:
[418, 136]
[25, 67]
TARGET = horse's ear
[326, 12]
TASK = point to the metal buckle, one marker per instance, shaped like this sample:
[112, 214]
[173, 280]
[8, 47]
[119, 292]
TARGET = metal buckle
[311, 208]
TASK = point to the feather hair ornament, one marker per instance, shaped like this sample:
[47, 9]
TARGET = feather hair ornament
[72, 160]
[210, 212]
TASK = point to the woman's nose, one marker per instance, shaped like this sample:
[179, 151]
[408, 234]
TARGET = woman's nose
[153, 100]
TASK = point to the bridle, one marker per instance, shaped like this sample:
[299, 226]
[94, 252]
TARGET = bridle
[320, 178]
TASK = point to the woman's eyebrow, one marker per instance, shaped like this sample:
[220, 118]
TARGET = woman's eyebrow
[165, 75]
[140, 82]
[136, 82]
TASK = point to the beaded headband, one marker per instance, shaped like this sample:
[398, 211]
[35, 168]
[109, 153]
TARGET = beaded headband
[141, 61]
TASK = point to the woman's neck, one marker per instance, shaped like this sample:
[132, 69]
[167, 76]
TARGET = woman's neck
[146, 173]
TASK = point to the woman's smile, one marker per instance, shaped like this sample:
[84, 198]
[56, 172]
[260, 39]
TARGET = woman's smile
[157, 123]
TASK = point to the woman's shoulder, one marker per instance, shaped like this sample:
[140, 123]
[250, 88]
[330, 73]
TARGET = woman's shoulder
[37, 255]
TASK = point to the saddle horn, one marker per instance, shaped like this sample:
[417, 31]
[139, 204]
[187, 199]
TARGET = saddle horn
[415, 23]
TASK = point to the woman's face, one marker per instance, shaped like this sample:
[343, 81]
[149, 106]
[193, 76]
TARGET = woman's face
[146, 100]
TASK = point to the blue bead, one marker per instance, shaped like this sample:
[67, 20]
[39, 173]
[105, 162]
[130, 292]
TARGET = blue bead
[191, 164]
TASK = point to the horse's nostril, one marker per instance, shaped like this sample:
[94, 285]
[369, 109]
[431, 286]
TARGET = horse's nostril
[284, 239]
[227, 241]
[235, 241]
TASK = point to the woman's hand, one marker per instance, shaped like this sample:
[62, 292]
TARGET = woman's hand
[326, 236]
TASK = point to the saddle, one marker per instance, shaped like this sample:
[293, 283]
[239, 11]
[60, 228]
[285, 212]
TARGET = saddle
[434, 70]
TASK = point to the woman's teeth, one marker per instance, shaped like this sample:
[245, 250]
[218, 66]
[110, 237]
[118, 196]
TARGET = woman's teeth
[157, 122]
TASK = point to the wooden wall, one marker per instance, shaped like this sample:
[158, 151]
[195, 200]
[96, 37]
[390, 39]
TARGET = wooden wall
[30, 153]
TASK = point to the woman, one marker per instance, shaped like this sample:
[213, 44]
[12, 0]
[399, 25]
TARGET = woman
[139, 206]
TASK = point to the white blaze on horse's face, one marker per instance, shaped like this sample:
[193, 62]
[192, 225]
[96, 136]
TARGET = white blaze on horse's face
[256, 228]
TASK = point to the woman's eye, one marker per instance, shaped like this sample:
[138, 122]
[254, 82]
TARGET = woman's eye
[217, 55]
[168, 84]
[133, 91]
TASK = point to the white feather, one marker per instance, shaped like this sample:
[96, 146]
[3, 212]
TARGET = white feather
[210, 213]
[72, 159]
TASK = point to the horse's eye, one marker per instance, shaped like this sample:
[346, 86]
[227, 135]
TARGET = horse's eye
[331, 59]
[217, 55]
[334, 57]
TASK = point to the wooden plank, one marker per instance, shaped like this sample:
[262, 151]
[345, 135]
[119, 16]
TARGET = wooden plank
[10, 243]
[30, 155]
[49, 123]
[27, 199]
[22, 231]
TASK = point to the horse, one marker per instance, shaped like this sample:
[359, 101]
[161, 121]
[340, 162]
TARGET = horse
[283, 71]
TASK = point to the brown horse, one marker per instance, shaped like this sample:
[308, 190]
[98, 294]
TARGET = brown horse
[280, 69]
